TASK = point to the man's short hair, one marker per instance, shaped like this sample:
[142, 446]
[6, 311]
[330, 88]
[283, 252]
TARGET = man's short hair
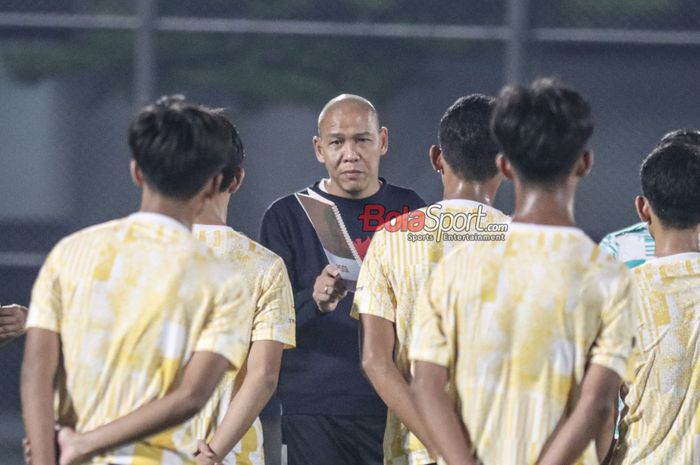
[179, 146]
[681, 136]
[465, 138]
[542, 129]
[236, 157]
[671, 183]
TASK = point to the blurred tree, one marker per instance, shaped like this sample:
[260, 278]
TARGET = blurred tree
[259, 69]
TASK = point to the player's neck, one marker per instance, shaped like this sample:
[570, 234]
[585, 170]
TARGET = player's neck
[456, 188]
[215, 213]
[675, 241]
[182, 211]
[540, 205]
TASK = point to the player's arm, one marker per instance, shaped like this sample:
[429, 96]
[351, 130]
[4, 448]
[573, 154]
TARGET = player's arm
[377, 339]
[201, 376]
[447, 432]
[12, 320]
[592, 419]
[258, 386]
[41, 358]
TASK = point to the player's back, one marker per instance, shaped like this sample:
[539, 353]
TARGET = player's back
[396, 266]
[273, 319]
[663, 420]
[527, 314]
[132, 300]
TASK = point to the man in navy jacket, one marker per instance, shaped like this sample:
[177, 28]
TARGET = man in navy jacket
[330, 413]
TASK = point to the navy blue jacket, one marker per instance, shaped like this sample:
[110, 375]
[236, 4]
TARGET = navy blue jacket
[322, 375]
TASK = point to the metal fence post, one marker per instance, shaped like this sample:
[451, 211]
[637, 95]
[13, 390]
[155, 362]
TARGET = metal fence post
[518, 18]
[144, 53]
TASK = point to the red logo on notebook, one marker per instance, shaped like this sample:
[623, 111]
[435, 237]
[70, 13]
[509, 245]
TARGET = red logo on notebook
[361, 245]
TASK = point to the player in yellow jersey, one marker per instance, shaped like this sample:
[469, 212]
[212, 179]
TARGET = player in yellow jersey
[661, 421]
[396, 265]
[134, 320]
[228, 414]
[532, 334]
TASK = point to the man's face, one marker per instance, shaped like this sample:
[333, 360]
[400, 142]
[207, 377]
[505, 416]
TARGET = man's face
[350, 145]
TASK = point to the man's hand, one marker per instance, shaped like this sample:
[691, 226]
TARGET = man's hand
[27, 449]
[12, 319]
[329, 289]
[205, 455]
[71, 446]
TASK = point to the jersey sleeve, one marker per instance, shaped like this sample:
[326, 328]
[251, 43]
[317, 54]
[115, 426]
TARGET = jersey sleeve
[613, 345]
[274, 318]
[374, 294]
[433, 337]
[45, 309]
[227, 328]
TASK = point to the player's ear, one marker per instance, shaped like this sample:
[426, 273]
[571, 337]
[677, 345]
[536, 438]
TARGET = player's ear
[643, 208]
[435, 156]
[136, 174]
[584, 164]
[236, 181]
[383, 140]
[317, 149]
[504, 166]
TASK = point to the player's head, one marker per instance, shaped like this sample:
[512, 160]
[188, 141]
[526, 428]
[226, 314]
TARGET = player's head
[670, 178]
[350, 143]
[465, 138]
[542, 130]
[232, 173]
[180, 147]
[681, 136]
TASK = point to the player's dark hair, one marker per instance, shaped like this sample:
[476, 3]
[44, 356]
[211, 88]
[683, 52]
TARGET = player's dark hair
[681, 136]
[542, 129]
[465, 138]
[236, 157]
[671, 182]
[179, 146]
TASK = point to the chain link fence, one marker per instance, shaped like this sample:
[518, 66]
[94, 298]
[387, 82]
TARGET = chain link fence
[74, 72]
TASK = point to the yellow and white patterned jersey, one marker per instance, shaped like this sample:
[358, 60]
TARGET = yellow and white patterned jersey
[516, 322]
[273, 320]
[393, 271]
[132, 299]
[662, 424]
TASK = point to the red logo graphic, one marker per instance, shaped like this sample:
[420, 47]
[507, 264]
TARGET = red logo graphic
[375, 217]
[361, 245]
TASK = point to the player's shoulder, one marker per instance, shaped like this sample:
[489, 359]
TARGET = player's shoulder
[91, 233]
[254, 250]
[635, 229]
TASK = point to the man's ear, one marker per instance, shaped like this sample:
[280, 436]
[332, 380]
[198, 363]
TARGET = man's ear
[584, 164]
[435, 156]
[643, 208]
[136, 174]
[318, 150]
[236, 181]
[383, 140]
[504, 166]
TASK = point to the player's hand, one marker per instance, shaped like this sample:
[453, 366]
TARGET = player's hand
[12, 319]
[205, 455]
[27, 450]
[329, 289]
[71, 447]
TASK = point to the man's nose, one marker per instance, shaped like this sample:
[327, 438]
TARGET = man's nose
[350, 152]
